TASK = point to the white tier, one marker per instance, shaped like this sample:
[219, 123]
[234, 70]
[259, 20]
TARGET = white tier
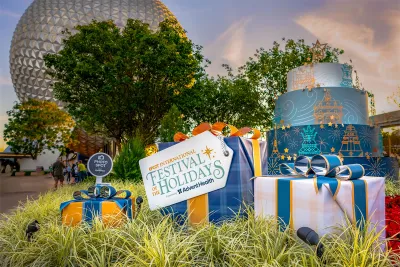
[319, 75]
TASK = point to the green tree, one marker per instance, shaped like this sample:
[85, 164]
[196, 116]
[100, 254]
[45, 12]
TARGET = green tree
[172, 123]
[121, 82]
[395, 97]
[246, 97]
[126, 163]
[35, 125]
[268, 69]
[231, 100]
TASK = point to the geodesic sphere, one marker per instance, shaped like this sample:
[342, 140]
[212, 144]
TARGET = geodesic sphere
[39, 32]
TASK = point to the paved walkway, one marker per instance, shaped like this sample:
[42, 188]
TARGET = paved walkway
[14, 189]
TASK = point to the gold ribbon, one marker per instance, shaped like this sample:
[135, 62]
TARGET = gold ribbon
[198, 206]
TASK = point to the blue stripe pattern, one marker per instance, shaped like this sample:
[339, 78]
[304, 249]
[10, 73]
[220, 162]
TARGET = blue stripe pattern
[239, 190]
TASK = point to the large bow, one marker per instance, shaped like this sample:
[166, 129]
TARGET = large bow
[324, 169]
[98, 193]
[217, 129]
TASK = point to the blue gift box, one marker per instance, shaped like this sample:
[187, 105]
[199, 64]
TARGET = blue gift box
[231, 200]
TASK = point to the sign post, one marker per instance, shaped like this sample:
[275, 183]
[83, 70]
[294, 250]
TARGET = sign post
[100, 165]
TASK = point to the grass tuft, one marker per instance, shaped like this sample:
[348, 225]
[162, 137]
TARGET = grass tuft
[155, 240]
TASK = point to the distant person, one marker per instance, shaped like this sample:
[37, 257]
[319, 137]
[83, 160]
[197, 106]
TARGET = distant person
[57, 171]
[74, 173]
[68, 174]
[82, 171]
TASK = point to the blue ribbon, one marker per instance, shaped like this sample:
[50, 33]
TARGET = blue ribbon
[93, 197]
[324, 169]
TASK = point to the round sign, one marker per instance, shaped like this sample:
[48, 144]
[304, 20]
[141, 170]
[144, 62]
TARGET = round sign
[100, 164]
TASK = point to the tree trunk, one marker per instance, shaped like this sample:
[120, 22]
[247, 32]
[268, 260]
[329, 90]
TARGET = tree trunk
[119, 146]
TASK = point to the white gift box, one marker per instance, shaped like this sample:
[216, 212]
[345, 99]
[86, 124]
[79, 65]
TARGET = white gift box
[319, 211]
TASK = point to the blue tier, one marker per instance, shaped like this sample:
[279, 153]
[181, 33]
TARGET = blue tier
[319, 75]
[345, 140]
[322, 105]
[374, 166]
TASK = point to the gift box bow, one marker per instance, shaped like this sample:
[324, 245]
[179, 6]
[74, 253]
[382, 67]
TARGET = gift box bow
[329, 169]
[95, 195]
[324, 169]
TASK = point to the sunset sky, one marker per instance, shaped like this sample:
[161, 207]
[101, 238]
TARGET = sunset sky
[231, 30]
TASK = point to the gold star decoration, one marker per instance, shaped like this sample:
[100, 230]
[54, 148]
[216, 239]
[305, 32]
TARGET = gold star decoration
[282, 157]
[367, 155]
[318, 51]
[332, 117]
[288, 126]
[289, 157]
[308, 59]
[351, 153]
[283, 127]
[330, 124]
[208, 152]
[286, 150]
[332, 149]
[321, 126]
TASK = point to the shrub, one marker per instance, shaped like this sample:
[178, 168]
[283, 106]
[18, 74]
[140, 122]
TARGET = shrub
[126, 163]
[392, 188]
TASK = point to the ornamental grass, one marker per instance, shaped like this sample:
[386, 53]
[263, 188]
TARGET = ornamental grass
[156, 240]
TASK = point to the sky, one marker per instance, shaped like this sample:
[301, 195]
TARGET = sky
[231, 30]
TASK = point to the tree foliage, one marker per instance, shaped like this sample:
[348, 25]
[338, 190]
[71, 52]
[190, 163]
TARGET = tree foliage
[395, 97]
[228, 99]
[246, 97]
[121, 82]
[172, 123]
[36, 125]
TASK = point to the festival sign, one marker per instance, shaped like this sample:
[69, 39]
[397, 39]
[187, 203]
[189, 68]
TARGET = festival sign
[186, 170]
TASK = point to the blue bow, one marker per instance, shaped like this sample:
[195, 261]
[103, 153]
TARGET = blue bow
[329, 169]
[93, 197]
[325, 169]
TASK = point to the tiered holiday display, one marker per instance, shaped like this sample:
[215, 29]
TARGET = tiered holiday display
[322, 113]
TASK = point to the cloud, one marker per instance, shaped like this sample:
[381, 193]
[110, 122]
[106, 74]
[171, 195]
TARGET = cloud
[229, 47]
[369, 35]
[5, 80]
[9, 13]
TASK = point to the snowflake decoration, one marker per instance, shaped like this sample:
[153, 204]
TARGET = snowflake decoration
[273, 166]
[296, 131]
[375, 167]
[335, 134]
[366, 136]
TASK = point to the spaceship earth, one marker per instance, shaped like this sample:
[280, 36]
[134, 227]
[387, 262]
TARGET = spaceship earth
[39, 32]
